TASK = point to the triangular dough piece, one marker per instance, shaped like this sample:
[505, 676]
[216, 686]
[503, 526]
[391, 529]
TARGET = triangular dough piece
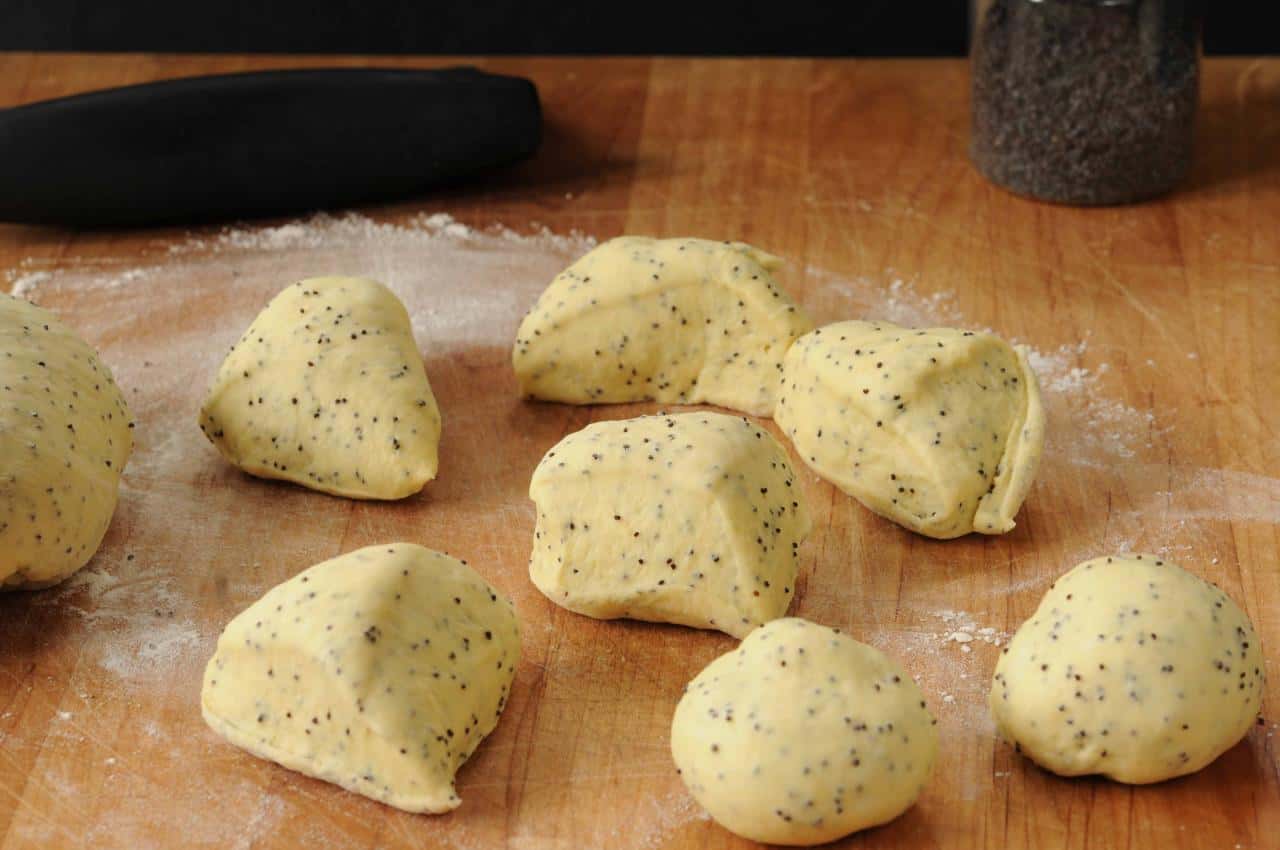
[939, 430]
[677, 321]
[380, 670]
[327, 389]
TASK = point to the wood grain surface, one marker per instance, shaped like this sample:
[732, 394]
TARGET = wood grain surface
[849, 169]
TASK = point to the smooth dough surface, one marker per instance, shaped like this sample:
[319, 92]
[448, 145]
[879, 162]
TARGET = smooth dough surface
[1131, 667]
[690, 518]
[668, 320]
[802, 735]
[380, 670]
[939, 430]
[64, 440]
[326, 389]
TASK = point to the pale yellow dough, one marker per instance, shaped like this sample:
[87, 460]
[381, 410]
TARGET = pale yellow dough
[939, 430]
[1131, 667]
[690, 518]
[64, 440]
[326, 389]
[380, 670]
[802, 735]
[669, 320]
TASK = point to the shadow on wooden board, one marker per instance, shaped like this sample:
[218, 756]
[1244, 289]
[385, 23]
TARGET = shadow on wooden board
[1238, 133]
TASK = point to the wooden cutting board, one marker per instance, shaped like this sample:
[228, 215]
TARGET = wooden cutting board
[1156, 327]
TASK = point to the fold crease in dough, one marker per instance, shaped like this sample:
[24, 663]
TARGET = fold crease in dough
[689, 518]
[669, 320]
[939, 430]
[380, 670]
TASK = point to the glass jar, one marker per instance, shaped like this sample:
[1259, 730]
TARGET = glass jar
[1085, 101]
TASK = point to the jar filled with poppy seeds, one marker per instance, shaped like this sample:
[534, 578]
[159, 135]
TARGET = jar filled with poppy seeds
[1085, 101]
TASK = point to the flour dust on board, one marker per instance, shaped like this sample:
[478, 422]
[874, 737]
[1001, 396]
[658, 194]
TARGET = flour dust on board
[164, 325]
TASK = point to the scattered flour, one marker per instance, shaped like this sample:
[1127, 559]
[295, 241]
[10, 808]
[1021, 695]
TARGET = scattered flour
[425, 230]
[890, 298]
[960, 629]
[651, 829]
[131, 616]
[155, 649]
[463, 287]
[466, 289]
[1097, 446]
[22, 284]
[1087, 427]
[163, 325]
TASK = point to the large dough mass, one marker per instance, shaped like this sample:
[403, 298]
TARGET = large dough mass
[1131, 667]
[691, 518]
[326, 389]
[380, 670]
[64, 440]
[939, 430]
[669, 320]
[802, 735]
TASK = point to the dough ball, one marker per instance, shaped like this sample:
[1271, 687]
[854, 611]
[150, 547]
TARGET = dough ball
[381, 671]
[939, 430]
[64, 440]
[326, 389]
[692, 518]
[802, 735]
[1131, 667]
[669, 320]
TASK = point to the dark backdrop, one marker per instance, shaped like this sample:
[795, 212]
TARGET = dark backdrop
[775, 27]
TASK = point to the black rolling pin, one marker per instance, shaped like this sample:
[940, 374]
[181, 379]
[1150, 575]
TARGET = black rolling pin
[243, 145]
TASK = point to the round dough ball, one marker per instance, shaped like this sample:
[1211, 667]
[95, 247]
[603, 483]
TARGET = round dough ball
[1131, 667]
[803, 735]
[64, 440]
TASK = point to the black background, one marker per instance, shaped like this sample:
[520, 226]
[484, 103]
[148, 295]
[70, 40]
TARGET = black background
[749, 27]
